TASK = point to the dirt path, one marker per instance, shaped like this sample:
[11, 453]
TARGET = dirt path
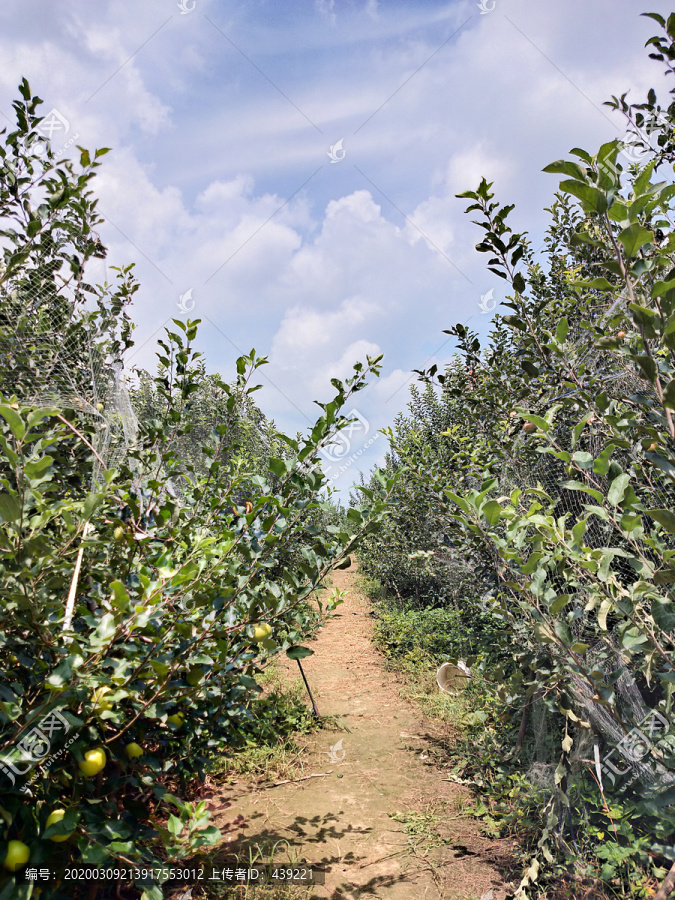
[381, 767]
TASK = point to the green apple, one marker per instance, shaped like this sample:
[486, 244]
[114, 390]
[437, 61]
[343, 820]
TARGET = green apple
[261, 632]
[176, 719]
[94, 762]
[100, 702]
[18, 855]
[194, 676]
[55, 816]
[134, 750]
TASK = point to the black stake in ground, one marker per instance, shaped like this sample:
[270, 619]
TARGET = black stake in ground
[314, 706]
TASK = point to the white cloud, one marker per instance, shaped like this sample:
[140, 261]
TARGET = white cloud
[372, 9]
[393, 384]
[326, 8]
[314, 346]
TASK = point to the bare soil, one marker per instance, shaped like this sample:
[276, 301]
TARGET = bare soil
[382, 766]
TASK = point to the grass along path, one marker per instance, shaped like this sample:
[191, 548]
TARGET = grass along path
[379, 818]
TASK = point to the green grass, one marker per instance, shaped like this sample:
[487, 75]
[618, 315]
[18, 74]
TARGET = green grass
[278, 716]
[423, 829]
[418, 671]
[415, 643]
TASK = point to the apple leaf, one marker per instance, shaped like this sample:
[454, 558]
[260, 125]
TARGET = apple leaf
[298, 652]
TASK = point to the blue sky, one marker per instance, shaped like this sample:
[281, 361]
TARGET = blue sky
[221, 116]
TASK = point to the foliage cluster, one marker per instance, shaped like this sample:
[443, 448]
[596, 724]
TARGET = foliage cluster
[133, 597]
[553, 494]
